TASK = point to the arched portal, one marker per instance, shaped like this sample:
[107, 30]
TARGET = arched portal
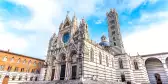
[5, 80]
[153, 66]
[53, 71]
[62, 59]
[73, 58]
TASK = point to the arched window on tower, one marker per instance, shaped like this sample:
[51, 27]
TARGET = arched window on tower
[136, 65]
[114, 44]
[107, 61]
[114, 39]
[113, 27]
[113, 32]
[120, 63]
[100, 58]
[91, 55]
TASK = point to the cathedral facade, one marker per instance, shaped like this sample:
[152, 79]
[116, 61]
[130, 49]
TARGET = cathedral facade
[72, 55]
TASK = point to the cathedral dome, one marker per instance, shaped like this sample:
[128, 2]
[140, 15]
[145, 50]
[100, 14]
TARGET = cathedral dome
[104, 42]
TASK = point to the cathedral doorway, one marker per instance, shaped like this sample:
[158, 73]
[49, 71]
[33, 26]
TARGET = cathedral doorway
[53, 72]
[73, 72]
[156, 72]
[62, 75]
[158, 79]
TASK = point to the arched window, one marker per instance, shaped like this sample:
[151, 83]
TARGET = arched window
[36, 79]
[111, 62]
[113, 32]
[39, 64]
[13, 78]
[100, 58]
[120, 63]
[29, 62]
[24, 61]
[91, 55]
[107, 61]
[122, 77]
[18, 60]
[31, 78]
[9, 68]
[12, 59]
[20, 77]
[5, 58]
[22, 69]
[2, 67]
[16, 69]
[35, 63]
[136, 65]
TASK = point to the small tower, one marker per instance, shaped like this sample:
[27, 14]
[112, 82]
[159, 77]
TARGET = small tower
[83, 27]
[115, 38]
[74, 23]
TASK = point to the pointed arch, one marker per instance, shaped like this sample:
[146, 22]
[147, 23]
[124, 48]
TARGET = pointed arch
[107, 63]
[120, 61]
[62, 57]
[100, 58]
[73, 56]
[136, 67]
[91, 55]
[66, 24]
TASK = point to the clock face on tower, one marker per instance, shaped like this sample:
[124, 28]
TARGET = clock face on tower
[66, 37]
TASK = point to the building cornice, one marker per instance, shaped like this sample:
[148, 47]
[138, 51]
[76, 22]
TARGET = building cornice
[20, 55]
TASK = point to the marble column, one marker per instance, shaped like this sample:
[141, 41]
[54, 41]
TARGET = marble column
[49, 73]
[68, 70]
[57, 71]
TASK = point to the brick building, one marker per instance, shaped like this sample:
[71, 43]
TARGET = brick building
[19, 67]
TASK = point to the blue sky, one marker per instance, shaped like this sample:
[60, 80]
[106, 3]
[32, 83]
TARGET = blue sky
[27, 25]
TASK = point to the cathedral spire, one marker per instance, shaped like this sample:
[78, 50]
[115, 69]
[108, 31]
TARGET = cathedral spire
[84, 28]
[74, 17]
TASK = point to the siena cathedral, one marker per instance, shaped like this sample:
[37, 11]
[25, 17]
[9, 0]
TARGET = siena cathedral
[72, 55]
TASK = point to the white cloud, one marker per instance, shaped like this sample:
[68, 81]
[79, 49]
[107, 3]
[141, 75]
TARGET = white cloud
[47, 14]
[146, 39]
[161, 15]
[98, 21]
[11, 41]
